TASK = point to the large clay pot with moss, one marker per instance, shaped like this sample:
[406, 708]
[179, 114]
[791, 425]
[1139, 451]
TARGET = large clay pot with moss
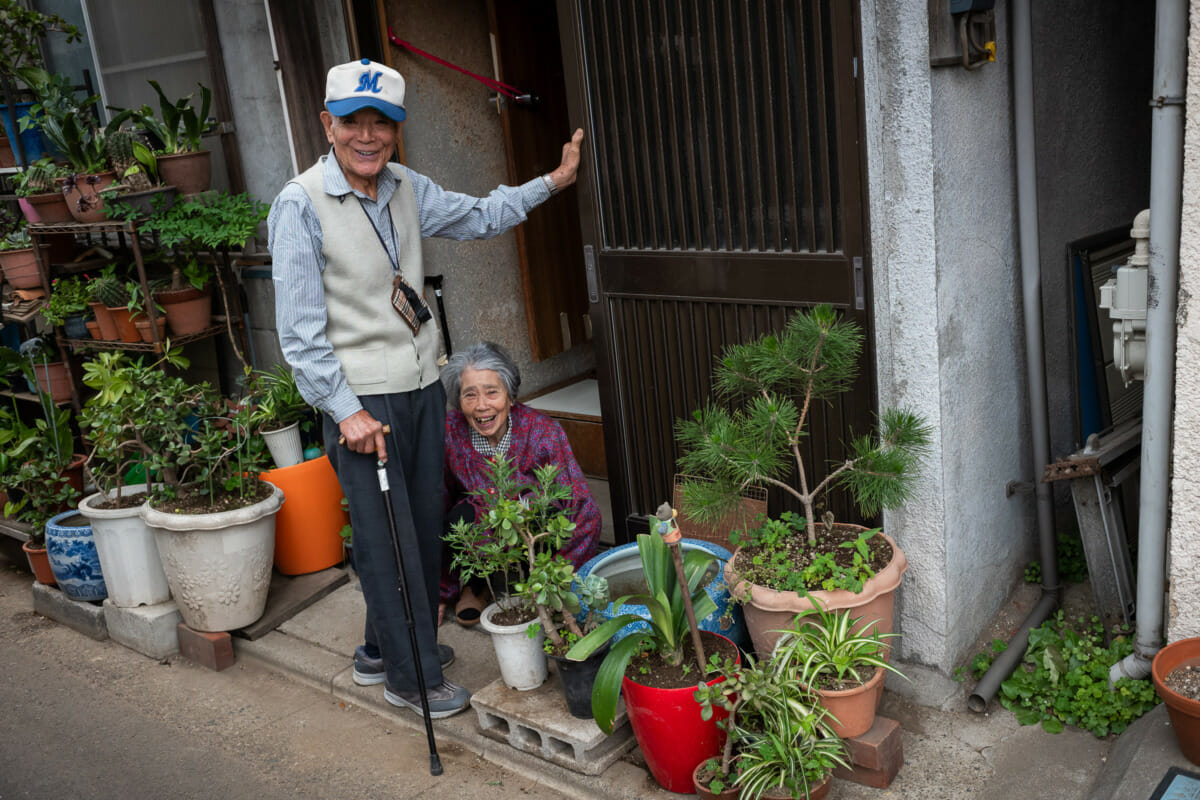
[768, 611]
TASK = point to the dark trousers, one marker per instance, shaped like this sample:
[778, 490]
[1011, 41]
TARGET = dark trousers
[416, 455]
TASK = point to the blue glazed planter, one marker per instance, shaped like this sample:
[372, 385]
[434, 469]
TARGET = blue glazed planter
[73, 557]
[622, 564]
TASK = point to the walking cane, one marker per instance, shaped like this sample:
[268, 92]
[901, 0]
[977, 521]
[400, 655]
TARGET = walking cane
[435, 763]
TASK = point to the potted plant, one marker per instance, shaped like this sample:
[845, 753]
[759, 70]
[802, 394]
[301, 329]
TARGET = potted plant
[212, 519]
[844, 660]
[1174, 672]
[771, 707]
[278, 413]
[67, 305]
[21, 32]
[657, 669]
[179, 127]
[523, 525]
[214, 223]
[37, 186]
[112, 293]
[138, 192]
[18, 261]
[773, 383]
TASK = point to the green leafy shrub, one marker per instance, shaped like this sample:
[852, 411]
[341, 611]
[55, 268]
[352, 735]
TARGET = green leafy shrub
[1063, 680]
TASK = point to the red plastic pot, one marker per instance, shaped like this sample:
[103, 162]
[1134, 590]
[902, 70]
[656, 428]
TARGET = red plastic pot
[668, 728]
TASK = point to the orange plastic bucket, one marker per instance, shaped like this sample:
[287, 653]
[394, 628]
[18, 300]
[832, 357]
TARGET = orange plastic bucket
[308, 525]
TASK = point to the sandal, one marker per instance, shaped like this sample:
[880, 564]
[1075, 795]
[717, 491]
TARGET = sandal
[470, 605]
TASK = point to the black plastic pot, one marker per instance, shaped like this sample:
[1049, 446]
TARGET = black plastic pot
[577, 678]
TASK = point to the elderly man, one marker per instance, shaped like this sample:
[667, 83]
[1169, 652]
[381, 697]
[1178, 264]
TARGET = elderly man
[345, 238]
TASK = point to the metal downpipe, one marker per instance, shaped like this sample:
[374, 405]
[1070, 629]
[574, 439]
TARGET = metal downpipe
[1166, 182]
[1031, 283]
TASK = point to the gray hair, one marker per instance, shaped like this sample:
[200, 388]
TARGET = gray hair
[484, 355]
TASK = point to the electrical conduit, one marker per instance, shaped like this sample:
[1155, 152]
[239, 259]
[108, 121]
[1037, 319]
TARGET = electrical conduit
[1031, 283]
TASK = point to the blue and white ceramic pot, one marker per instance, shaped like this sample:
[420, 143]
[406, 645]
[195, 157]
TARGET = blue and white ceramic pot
[622, 567]
[73, 557]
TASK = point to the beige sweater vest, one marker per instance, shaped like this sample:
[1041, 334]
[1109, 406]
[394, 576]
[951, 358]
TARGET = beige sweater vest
[377, 350]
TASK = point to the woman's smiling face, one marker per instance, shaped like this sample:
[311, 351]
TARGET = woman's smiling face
[485, 403]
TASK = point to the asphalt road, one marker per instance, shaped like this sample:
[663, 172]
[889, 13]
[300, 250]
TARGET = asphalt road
[80, 718]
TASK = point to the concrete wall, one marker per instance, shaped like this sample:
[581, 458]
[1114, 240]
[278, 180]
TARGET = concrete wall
[1092, 77]
[1183, 610]
[453, 135]
[947, 323]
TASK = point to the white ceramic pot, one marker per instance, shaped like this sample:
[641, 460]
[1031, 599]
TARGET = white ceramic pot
[285, 447]
[522, 659]
[218, 565]
[128, 552]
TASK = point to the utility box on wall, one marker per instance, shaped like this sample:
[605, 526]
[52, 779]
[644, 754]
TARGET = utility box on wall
[1125, 297]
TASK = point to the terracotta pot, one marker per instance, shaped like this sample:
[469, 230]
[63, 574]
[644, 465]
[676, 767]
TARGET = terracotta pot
[145, 331]
[50, 208]
[730, 792]
[854, 709]
[126, 329]
[21, 268]
[190, 173]
[94, 329]
[54, 380]
[668, 728]
[308, 526]
[188, 310]
[1183, 711]
[84, 201]
[768, 610]
[818, 792]
[105, 321]
[39, 562]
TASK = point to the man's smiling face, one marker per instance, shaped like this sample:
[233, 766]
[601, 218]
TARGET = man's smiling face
[363, 142]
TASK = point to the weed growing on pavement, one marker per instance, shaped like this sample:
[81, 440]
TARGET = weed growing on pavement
[1072, 563]
[1063, 679]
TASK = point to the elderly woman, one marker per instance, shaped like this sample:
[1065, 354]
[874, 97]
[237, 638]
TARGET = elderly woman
[484, 421]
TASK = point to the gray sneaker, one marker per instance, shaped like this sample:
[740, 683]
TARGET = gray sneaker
[444, 701]
[370, 671]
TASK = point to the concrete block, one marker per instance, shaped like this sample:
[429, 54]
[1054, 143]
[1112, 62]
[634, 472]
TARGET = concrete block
[212, 650]
[87, 618]
[538, 722]
[150, 630]
[876, 756]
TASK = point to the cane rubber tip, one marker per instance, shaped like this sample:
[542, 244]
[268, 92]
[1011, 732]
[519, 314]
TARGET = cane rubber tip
[435, 765]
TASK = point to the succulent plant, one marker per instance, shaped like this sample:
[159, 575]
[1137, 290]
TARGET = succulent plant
[121, 146]
[110, 290]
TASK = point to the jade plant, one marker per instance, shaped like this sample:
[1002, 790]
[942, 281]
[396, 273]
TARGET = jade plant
[521, 526]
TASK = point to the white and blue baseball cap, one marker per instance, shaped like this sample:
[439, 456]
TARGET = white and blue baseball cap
[365, 84]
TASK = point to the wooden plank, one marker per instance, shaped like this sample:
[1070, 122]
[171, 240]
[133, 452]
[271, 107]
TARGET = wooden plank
[291, 594]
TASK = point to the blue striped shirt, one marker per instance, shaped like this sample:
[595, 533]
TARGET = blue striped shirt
[296, 242]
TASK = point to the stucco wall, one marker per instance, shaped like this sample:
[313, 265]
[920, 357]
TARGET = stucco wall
[947, 321]
[1183, 611]
[454, 136]
[1092, 75]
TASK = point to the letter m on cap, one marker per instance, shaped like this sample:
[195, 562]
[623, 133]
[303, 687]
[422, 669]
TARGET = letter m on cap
[369, 82]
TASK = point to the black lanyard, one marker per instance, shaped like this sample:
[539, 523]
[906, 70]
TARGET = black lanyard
[393, 260]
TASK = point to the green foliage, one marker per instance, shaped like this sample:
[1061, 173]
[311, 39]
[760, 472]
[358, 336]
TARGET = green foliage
[68, 296]
[833, 646]
[39, 178]
[791, 750]
[275, 399]
[178, 125]
[772, 564]
[1063, 680]
[13, 233]
[213, 222]
[668, 624]
[1072, 562]
[771, 385]
[21, 31]
[178, 431]
[523, 525]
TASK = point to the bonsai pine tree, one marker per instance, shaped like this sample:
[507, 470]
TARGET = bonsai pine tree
[771, 385]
